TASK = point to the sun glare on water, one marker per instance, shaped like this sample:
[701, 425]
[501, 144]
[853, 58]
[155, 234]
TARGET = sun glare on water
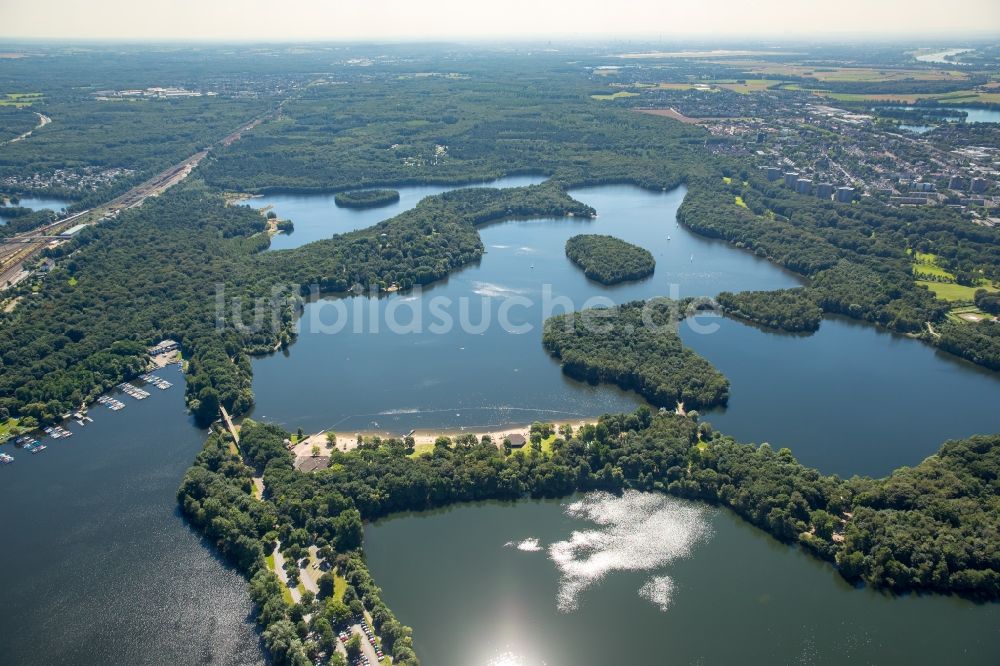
[635, 532]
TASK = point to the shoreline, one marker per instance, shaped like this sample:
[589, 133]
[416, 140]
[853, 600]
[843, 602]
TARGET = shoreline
[425, 437]
[348, 440]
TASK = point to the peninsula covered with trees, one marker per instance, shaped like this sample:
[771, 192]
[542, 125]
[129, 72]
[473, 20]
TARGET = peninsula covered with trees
[366, 198]
[636, 347]
[788, 309]
[926, 528]
[609, 260]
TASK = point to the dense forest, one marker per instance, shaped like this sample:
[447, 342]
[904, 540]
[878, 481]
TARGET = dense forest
[385, 130]
[978, 342]
[120, 287]
[988, 301]
[932, 527]
[787, 309]
[636, 346]
[366, 198]
[609, 260]
[15, 121]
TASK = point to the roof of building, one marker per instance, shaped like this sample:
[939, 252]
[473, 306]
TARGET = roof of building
[72, 231]
[516, 440]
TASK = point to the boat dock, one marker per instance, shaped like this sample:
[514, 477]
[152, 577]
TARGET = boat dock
[32, 442]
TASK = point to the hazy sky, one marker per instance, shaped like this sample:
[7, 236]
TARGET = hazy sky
[472, 19]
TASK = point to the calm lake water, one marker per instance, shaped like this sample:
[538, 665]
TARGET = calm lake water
[484, 375]
[38, 203]
[850, 399]
[974, 114]
[733, 595]
[317, 216]
[98, 565]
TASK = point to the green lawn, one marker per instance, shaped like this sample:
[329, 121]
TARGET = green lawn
[950, 292]
[339, 586]
[9, 429]
[932, 269]
[547, 443]
[421, 449]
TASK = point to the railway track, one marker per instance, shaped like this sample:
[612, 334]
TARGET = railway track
[16, 250]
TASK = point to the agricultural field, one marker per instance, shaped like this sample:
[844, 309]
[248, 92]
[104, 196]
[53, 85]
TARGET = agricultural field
[957, 97]
[743, 86]
[20, 99]
[616, 95]
[748, 85]
[845, 74]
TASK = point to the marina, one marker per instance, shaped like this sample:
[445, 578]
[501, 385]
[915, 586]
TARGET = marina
[133, 390]
[33, 442]
[158, 382]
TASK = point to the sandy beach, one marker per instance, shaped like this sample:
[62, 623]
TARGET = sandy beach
[349, 440]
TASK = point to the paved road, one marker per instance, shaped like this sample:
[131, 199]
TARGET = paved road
[279, 566]
[366, 647]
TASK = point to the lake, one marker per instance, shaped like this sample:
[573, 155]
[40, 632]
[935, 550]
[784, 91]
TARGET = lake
[974, 114]
[942, 56]
[657, 581]
[317, 216]
[482, 375]
[38, 203]
[850, 399]
[98, 565]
